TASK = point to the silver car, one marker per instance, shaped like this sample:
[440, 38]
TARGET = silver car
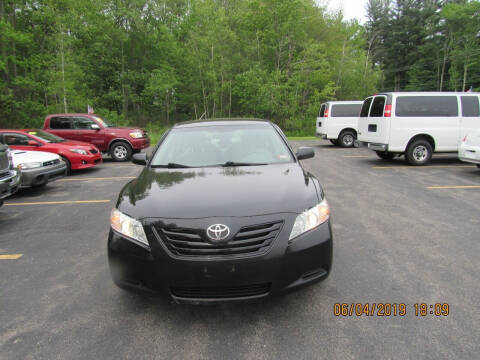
[9, 177]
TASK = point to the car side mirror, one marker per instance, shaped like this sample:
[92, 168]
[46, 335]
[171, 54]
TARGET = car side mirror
[140, 158]
[95, 127]
[305, 152]
[32, 143]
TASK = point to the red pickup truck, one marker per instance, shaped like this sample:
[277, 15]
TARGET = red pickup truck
[119, 142]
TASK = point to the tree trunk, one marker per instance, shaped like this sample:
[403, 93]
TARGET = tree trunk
[465, 69]
[3, 42]
[62, 53]
[442, 75]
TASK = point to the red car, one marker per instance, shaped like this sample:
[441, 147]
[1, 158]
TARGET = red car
[119, 142]
[77, 155]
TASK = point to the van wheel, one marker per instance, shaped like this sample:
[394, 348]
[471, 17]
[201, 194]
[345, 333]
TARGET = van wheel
[347, 138]
[121, 151]
[385, 155]
[419, 152]
[334, 141]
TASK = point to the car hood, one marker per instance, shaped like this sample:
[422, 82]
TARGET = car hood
[122, 129]
[72, 144]
[22, 156]
[219, 192]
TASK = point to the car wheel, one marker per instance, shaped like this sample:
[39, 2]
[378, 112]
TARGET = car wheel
[419, 152]
[334, 141]
[478, 165]
[385, 155]
[69, 166]
[347, 138]
[121, 151]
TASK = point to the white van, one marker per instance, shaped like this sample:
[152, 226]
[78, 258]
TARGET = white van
[417, 124]
[337, 122]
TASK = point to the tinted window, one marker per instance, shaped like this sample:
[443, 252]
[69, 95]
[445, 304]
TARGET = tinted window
[61, 123]
[365, 107]
[347, 110]
[215, 145]
[15, 139]
[377, 106]
[83, 123]
[428, 106]
[470, 106]
[322, 110]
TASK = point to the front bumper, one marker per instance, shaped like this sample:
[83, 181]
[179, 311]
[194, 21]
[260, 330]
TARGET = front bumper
[43, 175]
[9, 184]
[285, 267]
[142, 143]
[85, 161]
[469, 153]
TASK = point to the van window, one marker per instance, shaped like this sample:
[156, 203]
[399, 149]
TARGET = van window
[346, 110]
[322, 110]
[426, 106]
[61, 123]
[470, 106]
[377, 106]
[365, 107]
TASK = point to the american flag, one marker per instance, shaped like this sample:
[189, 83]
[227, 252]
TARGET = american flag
[90, 109]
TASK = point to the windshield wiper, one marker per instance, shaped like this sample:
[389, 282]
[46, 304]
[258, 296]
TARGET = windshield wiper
[171, 166]
[236, 163]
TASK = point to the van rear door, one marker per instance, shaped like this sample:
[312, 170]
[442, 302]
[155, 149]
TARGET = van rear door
[470, 119]
[373, 126]
[321, 128]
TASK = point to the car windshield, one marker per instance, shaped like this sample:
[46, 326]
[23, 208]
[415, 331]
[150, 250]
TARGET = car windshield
[103, 122]
[45, 136]
[221, 145]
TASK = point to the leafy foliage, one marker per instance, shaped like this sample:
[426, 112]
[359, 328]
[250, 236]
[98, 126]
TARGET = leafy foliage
[155, 62]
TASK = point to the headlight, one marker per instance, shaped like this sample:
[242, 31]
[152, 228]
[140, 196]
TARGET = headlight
[79, 151]
[136, 134]
[128, 226]
[31, 165]
[310, 219]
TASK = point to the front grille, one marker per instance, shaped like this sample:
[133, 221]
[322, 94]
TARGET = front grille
[249, 240]
[51, 162]
[93, 151]
[221, 292]
[4, 174]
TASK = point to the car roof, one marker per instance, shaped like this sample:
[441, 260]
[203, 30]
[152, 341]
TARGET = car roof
[71, 114]
[344, 102]
[425, 93]
[221, 121]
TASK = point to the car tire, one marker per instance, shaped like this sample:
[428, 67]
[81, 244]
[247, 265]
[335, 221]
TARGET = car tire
[334, 141]
[121, 151]
[478, 165]
[69, 165]
[419, 152]
[347, 139]
[385, 155]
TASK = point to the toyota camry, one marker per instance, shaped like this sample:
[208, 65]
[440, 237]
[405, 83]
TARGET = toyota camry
[222, 211]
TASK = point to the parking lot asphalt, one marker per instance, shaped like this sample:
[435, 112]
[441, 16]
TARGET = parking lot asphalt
[401, 235]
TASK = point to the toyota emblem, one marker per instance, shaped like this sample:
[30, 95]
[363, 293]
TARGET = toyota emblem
[218, 232]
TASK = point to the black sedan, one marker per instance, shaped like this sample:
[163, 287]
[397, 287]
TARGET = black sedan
[222, 211]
